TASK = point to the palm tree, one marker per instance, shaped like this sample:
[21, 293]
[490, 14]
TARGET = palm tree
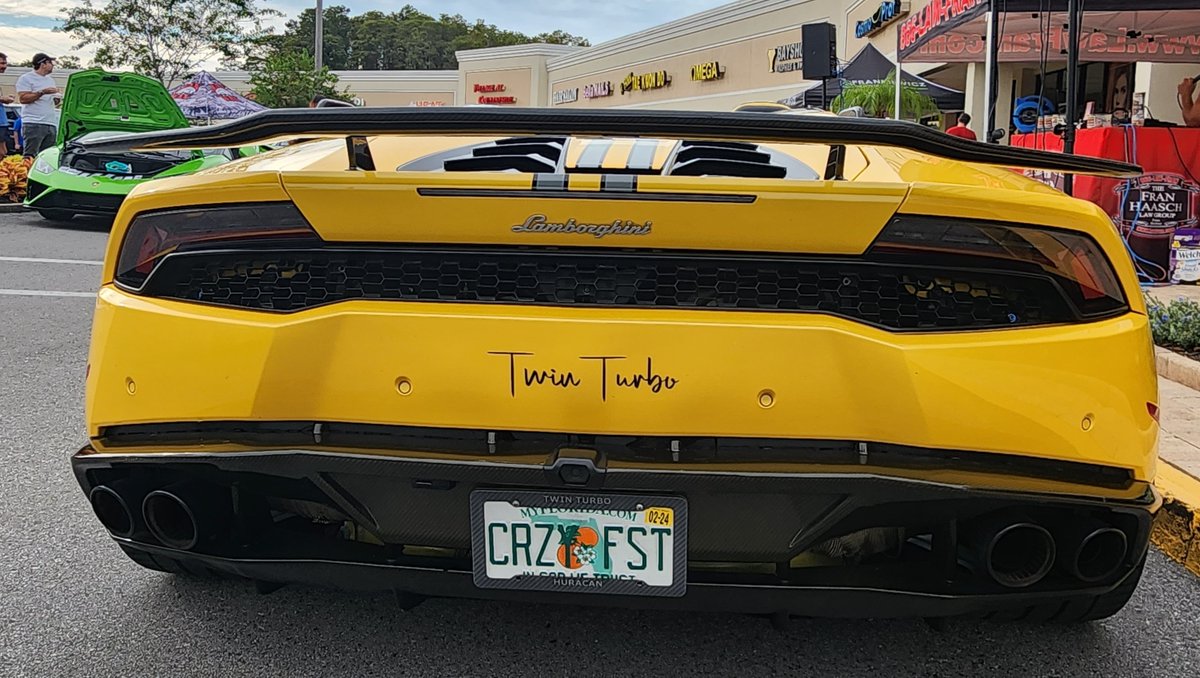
[878, 99]
[568, 535]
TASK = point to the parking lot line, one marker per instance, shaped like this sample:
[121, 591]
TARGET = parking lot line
[44, 293]
[37, 260]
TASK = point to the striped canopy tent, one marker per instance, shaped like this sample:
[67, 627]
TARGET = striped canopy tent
[203, 97]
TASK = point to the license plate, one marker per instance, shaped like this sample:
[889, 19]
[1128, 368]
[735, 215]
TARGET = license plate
[572, 542]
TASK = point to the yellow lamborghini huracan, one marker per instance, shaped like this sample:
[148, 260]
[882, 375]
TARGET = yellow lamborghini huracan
[778, 364]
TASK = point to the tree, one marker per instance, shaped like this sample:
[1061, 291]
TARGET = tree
[337, 30]
[290, 80]
[561, 38]
[407, 39]
[878, 99]
[71, 62]
[167, 39]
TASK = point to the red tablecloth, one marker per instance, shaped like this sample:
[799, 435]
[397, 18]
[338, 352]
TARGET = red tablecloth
[1152, 209]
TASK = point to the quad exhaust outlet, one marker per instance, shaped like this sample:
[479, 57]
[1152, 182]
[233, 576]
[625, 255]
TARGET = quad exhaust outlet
[1014, 554]
[185, 514]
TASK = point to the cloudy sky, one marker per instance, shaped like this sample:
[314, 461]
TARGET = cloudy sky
[26, 26]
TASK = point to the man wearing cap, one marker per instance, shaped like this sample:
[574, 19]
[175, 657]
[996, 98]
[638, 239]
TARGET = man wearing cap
[39, 119]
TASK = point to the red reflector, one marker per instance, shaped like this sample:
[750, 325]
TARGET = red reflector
[1153, 410]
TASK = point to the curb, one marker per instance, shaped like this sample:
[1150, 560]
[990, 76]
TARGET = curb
[1177, 368]
[12, 207]
[1176, 530]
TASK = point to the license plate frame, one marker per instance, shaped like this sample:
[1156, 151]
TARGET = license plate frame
[582, 581]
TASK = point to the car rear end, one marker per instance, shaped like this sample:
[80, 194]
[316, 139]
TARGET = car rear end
[903, 393]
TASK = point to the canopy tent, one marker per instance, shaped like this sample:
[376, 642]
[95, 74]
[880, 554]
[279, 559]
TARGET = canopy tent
[203, 97]
[954, 31]
[870, 65]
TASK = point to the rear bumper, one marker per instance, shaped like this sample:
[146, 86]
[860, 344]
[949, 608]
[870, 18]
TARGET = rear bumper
[368, 521]
[834, 601]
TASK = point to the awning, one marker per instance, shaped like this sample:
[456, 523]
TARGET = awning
[955, 31]
[870, 65]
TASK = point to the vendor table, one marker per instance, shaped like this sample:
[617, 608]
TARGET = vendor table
[1157, 211]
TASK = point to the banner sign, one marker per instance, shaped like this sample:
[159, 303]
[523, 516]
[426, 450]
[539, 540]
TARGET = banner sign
[1023, 45]
[934, 19]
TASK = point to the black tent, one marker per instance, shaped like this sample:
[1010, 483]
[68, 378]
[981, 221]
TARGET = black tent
[870, 65]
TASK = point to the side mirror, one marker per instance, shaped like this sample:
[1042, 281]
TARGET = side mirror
[853, 112]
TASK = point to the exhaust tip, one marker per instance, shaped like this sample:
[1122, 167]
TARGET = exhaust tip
[1100, 554]
[1020, 555]
[112, 511]
[170, 520]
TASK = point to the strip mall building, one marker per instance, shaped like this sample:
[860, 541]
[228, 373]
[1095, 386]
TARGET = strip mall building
[751, 51]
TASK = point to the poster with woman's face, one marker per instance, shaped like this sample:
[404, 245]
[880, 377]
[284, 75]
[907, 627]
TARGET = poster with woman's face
[1120, 88]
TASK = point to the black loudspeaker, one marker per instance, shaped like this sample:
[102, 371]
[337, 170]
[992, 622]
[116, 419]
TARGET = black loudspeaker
[818, 46]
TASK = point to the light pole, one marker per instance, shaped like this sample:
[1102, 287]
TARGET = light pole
[319, 38]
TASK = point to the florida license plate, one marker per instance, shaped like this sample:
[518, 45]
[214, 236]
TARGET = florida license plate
[572, 542]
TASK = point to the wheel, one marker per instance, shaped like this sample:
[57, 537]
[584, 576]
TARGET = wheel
[56, 214]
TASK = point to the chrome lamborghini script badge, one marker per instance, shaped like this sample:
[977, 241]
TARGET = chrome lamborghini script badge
[537, 223]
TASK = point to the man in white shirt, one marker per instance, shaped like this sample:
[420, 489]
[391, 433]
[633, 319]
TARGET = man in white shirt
[39, 119]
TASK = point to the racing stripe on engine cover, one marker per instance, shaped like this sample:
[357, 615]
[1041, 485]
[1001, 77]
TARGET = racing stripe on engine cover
[549, 182]
[642, 154]
[594, 152]
[624, 183]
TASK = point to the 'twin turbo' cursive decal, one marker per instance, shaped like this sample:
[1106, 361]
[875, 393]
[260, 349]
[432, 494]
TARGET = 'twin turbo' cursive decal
[537, 223]
[524, 374]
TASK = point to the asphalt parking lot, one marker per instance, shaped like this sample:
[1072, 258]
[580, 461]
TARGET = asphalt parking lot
[74, 605]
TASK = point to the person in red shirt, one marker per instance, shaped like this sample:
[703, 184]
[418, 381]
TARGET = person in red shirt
[961, 129]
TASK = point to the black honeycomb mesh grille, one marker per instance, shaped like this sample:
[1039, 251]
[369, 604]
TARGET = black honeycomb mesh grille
[888, 295]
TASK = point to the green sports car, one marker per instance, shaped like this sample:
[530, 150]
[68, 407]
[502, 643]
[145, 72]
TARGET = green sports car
[67, 179]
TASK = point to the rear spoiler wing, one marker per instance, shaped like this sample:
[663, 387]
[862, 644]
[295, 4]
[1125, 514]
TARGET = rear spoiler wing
[356, 124]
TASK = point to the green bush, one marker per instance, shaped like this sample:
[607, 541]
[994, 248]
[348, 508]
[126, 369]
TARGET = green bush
[1175, 324]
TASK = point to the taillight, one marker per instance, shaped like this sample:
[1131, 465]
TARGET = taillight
[1073, 260]
[153, 235]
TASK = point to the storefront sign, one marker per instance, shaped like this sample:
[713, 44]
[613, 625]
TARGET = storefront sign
[485, 99]
[598, 89]
[888, 12]
[565, 96]
[709, 70]
[428, 103]
[785, 58]
[645, 81]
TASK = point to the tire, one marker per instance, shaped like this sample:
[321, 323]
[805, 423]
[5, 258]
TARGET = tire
[56, 214]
